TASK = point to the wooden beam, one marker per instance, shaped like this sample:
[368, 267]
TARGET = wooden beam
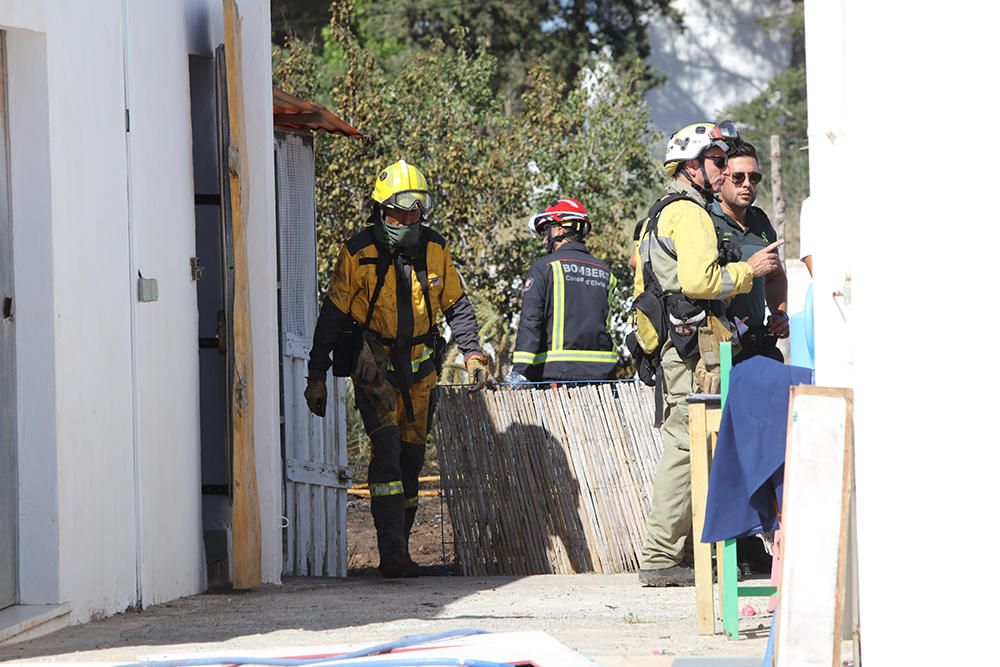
[246, 556]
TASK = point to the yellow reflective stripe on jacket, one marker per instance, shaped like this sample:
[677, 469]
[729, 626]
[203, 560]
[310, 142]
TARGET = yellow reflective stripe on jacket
[411, 502]
[416, 361]
[558, 305]
[524, 357]
[394, 488]
[611, 293]
[582, 356]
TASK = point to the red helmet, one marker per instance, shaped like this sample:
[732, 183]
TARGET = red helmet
[565, 212]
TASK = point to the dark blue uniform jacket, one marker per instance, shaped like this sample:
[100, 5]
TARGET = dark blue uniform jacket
[563, 333]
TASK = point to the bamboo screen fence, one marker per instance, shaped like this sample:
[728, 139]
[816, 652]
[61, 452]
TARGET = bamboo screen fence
[547, 480]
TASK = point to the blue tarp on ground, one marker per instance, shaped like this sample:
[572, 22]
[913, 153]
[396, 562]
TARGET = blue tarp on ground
[749, 463]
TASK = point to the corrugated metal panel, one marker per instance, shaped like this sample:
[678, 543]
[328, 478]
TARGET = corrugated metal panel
[315, 450]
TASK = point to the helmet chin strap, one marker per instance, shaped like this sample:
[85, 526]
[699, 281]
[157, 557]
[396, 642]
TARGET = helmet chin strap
[704, 190]
[550, 240]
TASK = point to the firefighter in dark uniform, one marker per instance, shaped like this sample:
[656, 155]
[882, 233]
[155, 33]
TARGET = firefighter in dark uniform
[379, 320]
[563, 332]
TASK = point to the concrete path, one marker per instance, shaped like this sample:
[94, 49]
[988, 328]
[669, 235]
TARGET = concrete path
[608, 618]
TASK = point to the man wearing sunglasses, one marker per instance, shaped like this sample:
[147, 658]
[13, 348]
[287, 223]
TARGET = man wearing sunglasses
[739, 221]
[379, 320]
[682, 263]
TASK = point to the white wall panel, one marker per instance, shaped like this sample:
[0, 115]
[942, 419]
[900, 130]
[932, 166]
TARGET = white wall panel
[99, 472]
[162, 182]
[31, 197]
[261, 246]
[899, 112]
[93, 290]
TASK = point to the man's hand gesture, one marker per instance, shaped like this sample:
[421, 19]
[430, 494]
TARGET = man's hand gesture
[765, 260]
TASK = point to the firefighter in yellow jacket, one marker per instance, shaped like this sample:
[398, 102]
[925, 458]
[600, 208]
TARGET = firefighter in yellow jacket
[682, 259]
[379, 320]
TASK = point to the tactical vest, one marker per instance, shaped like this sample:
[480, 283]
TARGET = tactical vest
[661, 316]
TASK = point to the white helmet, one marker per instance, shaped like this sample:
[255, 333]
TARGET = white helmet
[688, 143]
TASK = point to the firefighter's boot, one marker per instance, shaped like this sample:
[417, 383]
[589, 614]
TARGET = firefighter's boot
[408, 519]
[394, 561]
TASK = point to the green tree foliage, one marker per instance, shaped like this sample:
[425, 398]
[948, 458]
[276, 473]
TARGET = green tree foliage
[490, 168]
[562, 34]
[781, 109]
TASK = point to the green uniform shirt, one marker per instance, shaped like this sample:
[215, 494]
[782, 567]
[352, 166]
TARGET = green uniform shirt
[758, 234]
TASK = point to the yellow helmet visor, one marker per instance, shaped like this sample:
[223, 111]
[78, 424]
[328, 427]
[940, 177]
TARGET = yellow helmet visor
[407, 200]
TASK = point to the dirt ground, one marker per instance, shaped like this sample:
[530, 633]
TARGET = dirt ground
[608, 618]
[430, 542]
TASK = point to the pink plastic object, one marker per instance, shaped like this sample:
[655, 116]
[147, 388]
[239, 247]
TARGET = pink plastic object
[748, 611]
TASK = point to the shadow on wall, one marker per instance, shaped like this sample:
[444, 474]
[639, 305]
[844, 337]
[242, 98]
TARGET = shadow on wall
[723, 57]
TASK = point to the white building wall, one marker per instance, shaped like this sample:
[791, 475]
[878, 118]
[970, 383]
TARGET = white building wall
[899, 112]
[110, 498]
[31, 209]
[93, 289]
[723, 57]
[259, 203]
[166, 344]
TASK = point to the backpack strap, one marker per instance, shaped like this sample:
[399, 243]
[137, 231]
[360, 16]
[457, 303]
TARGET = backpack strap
[648, 277]
[382, 263]
[420, 268]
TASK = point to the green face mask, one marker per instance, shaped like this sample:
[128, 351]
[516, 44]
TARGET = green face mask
[398, 237]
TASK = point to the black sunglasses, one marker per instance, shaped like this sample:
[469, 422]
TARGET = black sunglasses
[754, 177]
[720, 161]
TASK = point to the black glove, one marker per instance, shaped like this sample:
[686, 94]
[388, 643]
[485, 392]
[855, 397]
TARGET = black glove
[316, 397]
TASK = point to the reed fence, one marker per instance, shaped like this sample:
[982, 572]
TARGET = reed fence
[547, 480]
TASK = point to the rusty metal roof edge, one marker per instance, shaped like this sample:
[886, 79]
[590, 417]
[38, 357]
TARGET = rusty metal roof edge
[285, 104]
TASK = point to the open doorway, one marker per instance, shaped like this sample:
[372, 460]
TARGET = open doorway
[208, 268]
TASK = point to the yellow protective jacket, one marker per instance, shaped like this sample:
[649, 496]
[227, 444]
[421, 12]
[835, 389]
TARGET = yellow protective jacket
[684, 229]
[400, 311]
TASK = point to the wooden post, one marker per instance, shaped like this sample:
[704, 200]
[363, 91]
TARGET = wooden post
[701, 462]
[246, 556]
[777, 197]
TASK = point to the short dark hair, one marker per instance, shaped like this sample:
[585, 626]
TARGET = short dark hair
[743, 149]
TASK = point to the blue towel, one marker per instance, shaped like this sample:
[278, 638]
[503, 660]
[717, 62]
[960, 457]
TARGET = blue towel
[749, 464]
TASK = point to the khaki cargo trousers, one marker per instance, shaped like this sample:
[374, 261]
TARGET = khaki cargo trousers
[668, 528]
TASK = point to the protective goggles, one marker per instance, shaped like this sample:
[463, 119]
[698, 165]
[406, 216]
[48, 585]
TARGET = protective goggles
[407, 200]
[729, 132]
[540, 221]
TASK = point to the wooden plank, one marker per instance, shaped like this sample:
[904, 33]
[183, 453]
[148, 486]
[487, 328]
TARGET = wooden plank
[818, 469]
[313, 472]
[704, 594]
[246, 556]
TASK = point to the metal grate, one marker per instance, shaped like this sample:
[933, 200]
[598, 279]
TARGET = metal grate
[295, 176]
[314, 450]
